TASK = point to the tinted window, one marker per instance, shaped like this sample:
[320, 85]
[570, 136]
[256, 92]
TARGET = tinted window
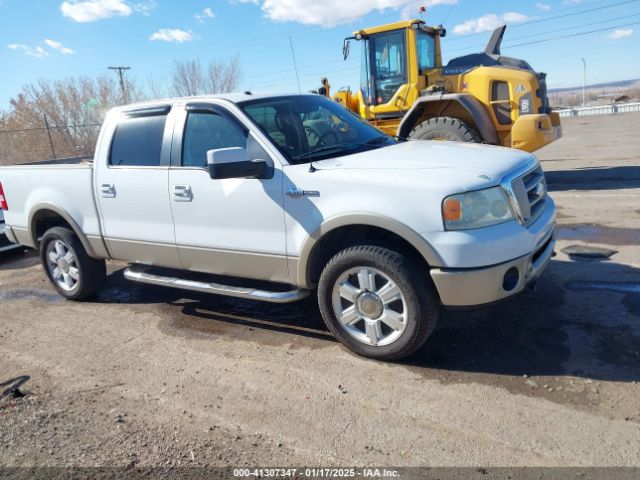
[311, 127]
[209, 131]
[138, 141]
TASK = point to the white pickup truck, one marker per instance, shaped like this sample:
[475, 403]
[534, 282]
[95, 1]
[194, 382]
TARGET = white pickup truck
[291, 194]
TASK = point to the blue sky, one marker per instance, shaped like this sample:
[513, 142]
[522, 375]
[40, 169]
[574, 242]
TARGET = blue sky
[52, 39]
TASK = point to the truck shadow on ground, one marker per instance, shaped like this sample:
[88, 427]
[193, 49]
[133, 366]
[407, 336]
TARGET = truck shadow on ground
[582, 320]
[594, 178]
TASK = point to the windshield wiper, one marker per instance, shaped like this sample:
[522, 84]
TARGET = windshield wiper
[327, 148]
[378, 139]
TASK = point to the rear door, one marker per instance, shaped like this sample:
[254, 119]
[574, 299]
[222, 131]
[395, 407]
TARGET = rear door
[132, 189]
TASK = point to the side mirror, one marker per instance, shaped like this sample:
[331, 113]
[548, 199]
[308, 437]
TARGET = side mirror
[234, 162]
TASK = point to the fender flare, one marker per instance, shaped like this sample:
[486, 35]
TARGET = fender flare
[471, 104]
[416, 240]
[40, 206]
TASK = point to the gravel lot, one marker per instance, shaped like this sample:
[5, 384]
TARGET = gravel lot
[146, 376]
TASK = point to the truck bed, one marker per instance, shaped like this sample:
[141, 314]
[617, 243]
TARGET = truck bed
[62, 185]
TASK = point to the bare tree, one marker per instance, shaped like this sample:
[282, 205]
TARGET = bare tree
[58, 116]
[189, 78]
[223, 77]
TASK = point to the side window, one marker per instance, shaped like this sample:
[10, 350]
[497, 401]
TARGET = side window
[502, 105]
[426, 51]
[137, 141]
[208, 131]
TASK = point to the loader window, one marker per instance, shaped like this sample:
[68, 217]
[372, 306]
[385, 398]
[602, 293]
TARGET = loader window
[390, 64]
[501, 102]
[426, 50]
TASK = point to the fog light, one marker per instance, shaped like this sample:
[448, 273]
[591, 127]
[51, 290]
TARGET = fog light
[510, 279]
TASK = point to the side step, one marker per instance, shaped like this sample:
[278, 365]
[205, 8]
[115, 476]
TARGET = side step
[140, 274]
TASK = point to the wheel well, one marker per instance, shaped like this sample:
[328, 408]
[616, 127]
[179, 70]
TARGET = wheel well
[43, 220]
[444, 108]
[351, 235]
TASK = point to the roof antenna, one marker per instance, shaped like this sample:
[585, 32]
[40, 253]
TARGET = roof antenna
[311, 167]
[295, 67]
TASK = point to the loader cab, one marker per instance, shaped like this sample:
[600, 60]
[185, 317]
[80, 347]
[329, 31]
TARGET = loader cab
[394, 61]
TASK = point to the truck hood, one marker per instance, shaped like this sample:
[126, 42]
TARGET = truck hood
[470, 163]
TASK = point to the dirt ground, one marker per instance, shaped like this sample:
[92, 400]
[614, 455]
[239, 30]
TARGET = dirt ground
[147, 376]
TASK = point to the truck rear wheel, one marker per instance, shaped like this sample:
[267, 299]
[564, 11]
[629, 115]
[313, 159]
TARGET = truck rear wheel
[377, 303]
[445, 128]
[73, 273]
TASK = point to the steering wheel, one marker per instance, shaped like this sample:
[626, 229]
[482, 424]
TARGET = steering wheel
[321, 140]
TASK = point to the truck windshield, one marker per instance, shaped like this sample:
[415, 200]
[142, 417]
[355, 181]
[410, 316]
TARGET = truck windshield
[312, 127]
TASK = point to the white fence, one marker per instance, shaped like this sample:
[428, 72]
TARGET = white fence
[600, 110]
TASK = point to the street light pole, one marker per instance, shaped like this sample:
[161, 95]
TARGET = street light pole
[584, 81]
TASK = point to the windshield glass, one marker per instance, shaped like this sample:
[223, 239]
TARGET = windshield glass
[312, 127]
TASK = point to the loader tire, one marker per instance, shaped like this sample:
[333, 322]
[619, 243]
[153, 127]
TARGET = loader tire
[445, 128]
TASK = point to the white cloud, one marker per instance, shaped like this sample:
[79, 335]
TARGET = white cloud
[206, 13]
[60, 47]
[330, 12]
[621, 33]
[92, 10]
[145, 7]
[37, 52]
[543, 6]
[488, 22]
[171, 35]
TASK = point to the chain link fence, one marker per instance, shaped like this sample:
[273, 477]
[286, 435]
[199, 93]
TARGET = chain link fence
[49, 142]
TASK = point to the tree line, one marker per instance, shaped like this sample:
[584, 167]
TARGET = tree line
[61, 118]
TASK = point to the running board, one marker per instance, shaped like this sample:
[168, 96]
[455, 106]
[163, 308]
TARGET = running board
[143, 276]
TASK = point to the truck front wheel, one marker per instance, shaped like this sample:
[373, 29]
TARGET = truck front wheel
[73, 273]
[445, 128]
[377, 303]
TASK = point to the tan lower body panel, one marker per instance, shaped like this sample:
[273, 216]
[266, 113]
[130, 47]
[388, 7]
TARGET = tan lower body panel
[260, 266]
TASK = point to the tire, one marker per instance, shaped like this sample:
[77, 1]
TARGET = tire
[445, 128]
[64, 246]
[367, 313]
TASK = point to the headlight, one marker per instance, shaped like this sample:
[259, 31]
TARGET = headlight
[481, 208]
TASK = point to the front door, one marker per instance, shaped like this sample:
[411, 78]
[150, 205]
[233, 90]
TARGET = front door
[229, 227]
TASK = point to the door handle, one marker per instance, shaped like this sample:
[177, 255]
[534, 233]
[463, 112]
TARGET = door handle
[181, 193]
[108, 190]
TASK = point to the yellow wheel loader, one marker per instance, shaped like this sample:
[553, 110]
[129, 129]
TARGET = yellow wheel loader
[484, 97]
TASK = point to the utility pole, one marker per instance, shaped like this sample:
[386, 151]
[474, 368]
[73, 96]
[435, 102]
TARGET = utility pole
[48, 127]
[121, 71]
[584, 81]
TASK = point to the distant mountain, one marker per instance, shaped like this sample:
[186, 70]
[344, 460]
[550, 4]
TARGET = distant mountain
[618, 84]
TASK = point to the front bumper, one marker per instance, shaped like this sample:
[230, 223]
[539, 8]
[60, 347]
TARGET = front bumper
[534, 131]
[480, 286]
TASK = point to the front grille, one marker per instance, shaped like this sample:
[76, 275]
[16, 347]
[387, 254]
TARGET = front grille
[531, 193]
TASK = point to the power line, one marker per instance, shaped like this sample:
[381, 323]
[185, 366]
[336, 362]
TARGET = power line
[571, 35]
[547, 32]
[530, 22]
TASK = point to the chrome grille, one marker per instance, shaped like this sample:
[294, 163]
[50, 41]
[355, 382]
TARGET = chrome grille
[530, 191]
